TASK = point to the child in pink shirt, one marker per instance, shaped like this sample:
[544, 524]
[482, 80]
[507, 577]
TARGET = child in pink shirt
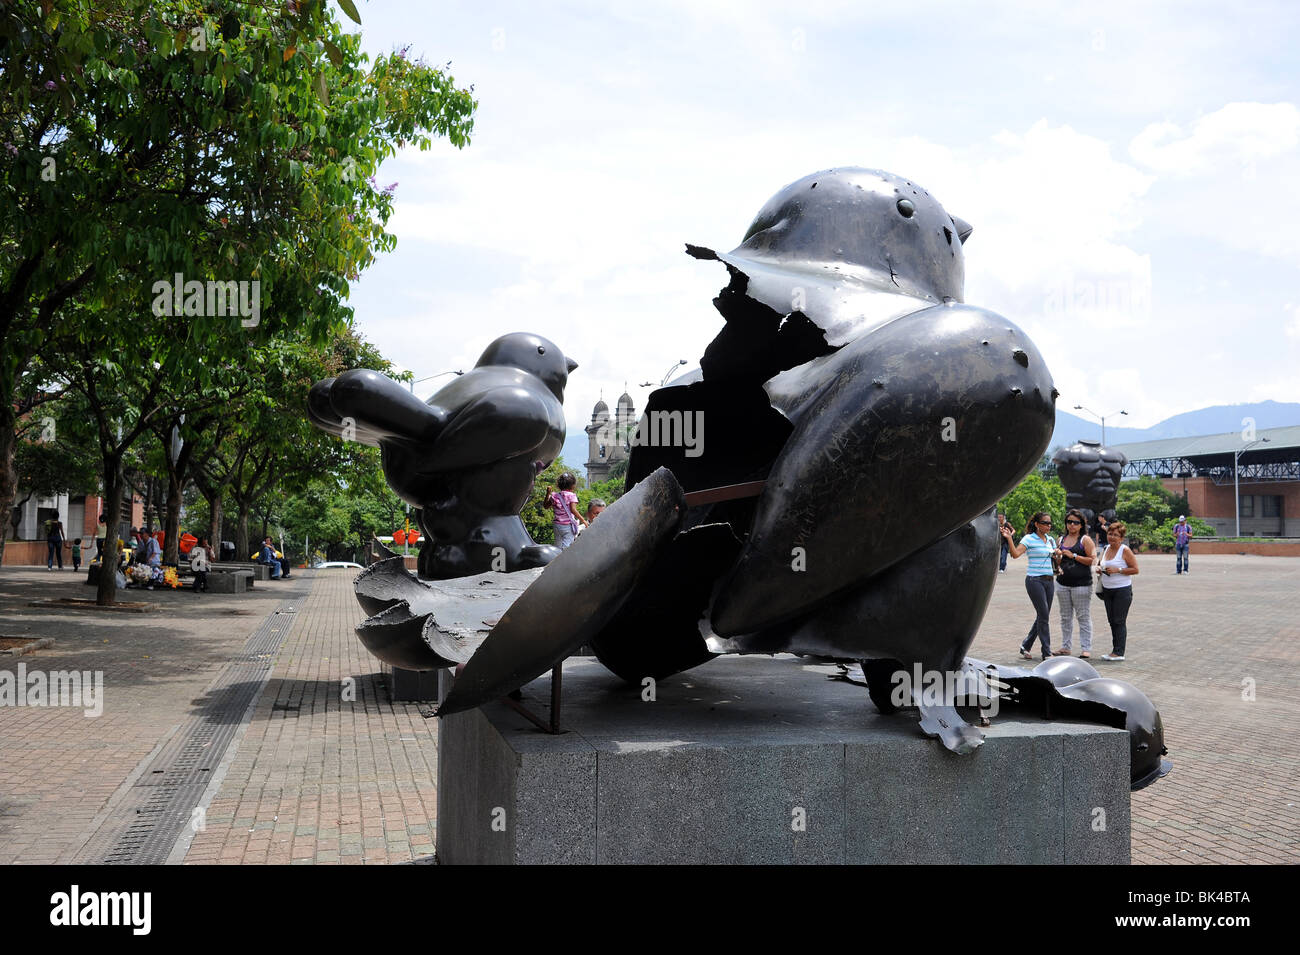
[565, 505]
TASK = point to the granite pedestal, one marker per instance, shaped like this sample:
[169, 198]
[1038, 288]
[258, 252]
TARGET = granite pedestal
[765, 760]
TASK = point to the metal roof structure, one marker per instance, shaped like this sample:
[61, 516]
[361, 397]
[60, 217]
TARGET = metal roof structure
[1272, 455]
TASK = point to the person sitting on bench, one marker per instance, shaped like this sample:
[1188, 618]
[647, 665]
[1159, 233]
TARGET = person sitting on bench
[279, 565]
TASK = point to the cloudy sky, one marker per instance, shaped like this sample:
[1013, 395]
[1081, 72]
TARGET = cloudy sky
[1132, 172]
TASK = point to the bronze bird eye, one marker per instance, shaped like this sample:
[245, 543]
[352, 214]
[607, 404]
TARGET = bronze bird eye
[541, 349]
[906, 209]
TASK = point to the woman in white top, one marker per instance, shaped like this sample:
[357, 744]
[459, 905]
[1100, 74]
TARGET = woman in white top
[1117, 565]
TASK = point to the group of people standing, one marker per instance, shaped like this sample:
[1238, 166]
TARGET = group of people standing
[1062, 569]
[56, 540]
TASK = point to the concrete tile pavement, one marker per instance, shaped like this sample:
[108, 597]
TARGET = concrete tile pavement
[59, 768]
[1218, 651]
[329, 771]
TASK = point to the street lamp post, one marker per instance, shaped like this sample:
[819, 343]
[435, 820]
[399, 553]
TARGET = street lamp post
[416, 381]
[1236, 490]
[1102, 417]
[664, 380]
[406, 546]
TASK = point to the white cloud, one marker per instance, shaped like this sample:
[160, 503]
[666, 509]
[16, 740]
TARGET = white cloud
[1239, 133]
[605, 140]
[1292, 326]
[576, 254]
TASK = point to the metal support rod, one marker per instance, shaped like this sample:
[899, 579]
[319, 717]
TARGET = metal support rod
[1236, 493]
[527, 714]
[556, 677]
[553, 727]
[729, 492]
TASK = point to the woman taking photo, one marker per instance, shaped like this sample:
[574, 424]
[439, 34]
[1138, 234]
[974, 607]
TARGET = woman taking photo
[1117, 565]
[1075, 555]
[1039, 544]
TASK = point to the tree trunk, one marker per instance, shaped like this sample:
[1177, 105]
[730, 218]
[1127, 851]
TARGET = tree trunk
[146, 519]
[241, 534]
[171, 529]
[178, 470]
[8, 480]
[160, 502]
[113, 481]
[214, 520]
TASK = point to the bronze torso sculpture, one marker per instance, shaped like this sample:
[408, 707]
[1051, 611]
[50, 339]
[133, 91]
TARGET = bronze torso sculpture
[1090, 474]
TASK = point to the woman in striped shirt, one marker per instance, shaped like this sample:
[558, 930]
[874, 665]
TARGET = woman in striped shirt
[1039, 581]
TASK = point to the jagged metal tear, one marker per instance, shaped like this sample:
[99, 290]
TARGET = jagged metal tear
[427, 625]
[1067, 687]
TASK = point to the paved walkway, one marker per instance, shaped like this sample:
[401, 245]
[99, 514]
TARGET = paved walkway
[319, 778]
[1198, 645]
[58, 768]
[314, 778]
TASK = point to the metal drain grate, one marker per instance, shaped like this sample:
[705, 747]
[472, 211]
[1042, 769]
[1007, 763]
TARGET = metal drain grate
[161, 803]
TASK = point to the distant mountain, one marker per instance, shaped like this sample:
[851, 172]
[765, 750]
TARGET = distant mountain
[1214, 420]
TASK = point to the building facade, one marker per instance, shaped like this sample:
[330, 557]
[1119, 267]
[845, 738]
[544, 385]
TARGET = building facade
[609, 437]
[1267, 509]
[25, 532]
[1252, 477]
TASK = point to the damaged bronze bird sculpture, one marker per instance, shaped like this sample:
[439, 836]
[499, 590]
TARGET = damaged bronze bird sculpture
[861, 423]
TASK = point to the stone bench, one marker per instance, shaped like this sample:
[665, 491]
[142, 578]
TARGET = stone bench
[229, 581]
[259, 571]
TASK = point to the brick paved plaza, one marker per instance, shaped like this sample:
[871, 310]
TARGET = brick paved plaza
[314, 777]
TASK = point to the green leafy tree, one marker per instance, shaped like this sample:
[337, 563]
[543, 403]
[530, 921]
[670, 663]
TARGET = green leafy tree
[1150, 511]
[608, 490]
[1031, 495]
[537, 516]
[185, 434]
[275, 450]
[319, 514]
[1046, 466]
[223, 142]
[1149, 534]
[1145, 499]
[339, 517]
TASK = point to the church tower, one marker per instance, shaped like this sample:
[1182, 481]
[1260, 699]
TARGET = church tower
[608, 438]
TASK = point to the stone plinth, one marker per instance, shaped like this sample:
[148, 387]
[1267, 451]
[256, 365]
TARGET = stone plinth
[764, 760]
